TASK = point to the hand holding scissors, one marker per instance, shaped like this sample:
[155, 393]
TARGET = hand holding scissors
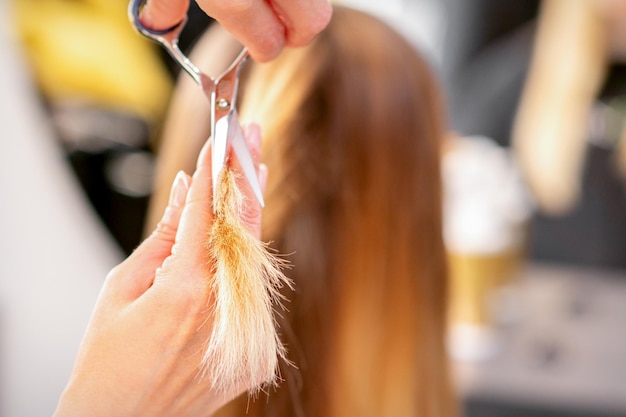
[222, 94]
[263, 26]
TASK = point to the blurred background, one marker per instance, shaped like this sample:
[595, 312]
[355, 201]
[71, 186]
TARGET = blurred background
[534, 177]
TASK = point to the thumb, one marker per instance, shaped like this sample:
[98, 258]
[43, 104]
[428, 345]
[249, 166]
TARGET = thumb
[163, 14]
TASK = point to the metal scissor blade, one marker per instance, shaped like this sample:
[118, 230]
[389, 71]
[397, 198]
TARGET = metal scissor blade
[218, 155]
[240, 147]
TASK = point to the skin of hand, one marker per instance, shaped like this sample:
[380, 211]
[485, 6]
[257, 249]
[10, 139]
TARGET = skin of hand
[265, 27]
[144, 343]
[614, 14]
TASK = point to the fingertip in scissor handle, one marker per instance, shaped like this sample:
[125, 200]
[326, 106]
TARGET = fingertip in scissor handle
[134, 9]
[168, 38]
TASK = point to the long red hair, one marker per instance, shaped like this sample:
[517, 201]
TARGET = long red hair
[353, 126]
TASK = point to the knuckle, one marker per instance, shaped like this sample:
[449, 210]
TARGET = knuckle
[164, 231]
[115, 272]
[268, 45]
[188, 296]
[180, 303]
[115, 275]
[251, 217]
[192, 304]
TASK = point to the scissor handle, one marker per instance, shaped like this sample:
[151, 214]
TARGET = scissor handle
[222, 93]
[166, 37]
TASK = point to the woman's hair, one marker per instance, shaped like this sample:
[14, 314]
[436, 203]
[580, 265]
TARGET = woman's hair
[352, 128]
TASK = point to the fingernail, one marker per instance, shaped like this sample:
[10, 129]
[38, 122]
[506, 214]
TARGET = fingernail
[179, 190]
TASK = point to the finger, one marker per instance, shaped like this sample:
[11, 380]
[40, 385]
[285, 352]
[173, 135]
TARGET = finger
[252, 133]
[251, 215]
[163, 14]
[303, 19]
[142, 264]
[197, 216]
[253, 22]
[182, 284]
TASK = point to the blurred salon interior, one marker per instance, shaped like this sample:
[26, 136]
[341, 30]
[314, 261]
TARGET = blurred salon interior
[533, 171]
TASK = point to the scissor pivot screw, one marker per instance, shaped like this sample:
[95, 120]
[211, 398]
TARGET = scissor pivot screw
[223, 104]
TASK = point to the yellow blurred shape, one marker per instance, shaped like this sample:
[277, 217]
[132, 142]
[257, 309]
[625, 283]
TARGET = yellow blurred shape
[88, 50]
[474, 280]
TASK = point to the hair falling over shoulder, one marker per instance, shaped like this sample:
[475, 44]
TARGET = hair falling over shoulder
[353, 126]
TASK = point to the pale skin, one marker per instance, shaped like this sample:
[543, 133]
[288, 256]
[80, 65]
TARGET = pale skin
[567, 71]
[265, 27]
[576, 42]
[144, 343]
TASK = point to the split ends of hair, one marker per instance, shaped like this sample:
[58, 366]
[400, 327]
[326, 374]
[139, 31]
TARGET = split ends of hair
[244, 348]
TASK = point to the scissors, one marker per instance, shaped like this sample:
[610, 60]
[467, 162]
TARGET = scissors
[222, 94]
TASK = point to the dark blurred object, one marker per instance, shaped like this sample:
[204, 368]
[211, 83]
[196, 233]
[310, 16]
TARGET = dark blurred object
[486, 54]
[594, 232]
[110, 154]
[88, 128]
[486, 407]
